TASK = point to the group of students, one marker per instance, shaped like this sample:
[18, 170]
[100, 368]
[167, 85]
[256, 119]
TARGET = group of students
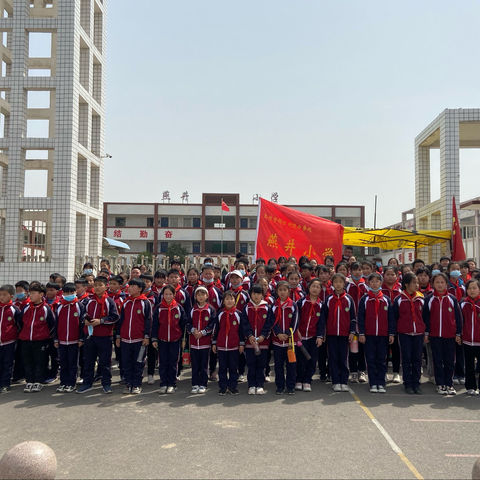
[346, 318]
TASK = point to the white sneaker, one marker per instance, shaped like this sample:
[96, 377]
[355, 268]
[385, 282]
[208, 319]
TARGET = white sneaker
[251, 390]
[202, 389]
[170, 389]
[472, 392]
[267, 379]
[462, 380]
[337, 387]
[442, 390]
[162, 390]
[451, 391]
[60, 388]
[362, 377]
[69, 389]
[373, 389]
[260, 391]
[344, 387]
[354, 377]
[28, 387]
[381, 389]
[37, 387]
[298, 386]
[456, 381]
[396, 378]
[241, 378]
[150, 380]
[136, 390]
[195, 389]
[307, 387]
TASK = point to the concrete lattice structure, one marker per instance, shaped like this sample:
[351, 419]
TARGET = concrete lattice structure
[451, 130]
[52, 108]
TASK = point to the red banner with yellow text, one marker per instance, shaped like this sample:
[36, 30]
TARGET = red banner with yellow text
[283, 231]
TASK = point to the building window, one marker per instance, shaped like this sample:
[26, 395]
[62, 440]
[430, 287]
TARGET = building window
[35, 235]
[164, 222]
[196, 247]
[173, 222]
[120, 221]
[211, 220]
[252, 222]
[244, 223]
[244, 248]
[214, 247]
[187, 222]
[150, 247]
[163, 247]
[149, 221]
[196, 222]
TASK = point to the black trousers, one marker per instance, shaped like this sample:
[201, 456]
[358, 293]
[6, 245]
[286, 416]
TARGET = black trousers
[35, 358]
[471, 353]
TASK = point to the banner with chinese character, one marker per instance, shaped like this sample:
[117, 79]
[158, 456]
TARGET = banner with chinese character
[283, 231]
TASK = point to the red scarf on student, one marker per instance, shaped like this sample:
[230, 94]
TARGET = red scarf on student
[281, 305]
[85, 295]
[8, 304]
[295, 294]
[170, 306]
[140, 297]
[440, 295]
[312, 305]
[377, 296]
[472, 301]
[102, 302]
[65, 302]
[230, 311]
[411, 298]
[338, 302]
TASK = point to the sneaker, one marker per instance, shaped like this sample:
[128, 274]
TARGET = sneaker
[49, 380]
[362, 377]
[60, 388]
[344, 387]
[307, 387]
[202, 389]
[4, 389]
[241, 378]
[260, 391]
[290, 391]
[107, 389]
[150, 380]
[28, 387]
[279, 391]
[222, 392]
[337, 387]
[418, 390]
[233, 391]
[84, 388]
[472, 392]
[213, 377]
[461, 380]
[409, 390]
[441, 390]
[298, 386]
[251, 390]
[37, 387]
[69, 389]
[127, 390]
[194, 389]
[354, 377]
[396, 378]
[373, 389]
[456, 381]
[162, 390]
[268, 379]
[136, 390]
[80, 381]
[381, 389]
[451, 391]
[171, 389]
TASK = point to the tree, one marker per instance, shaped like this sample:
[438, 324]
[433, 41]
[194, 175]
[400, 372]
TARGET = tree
[145, 255]
[177, 252]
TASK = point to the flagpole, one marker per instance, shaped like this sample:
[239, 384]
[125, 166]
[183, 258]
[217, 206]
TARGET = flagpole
[221, 229]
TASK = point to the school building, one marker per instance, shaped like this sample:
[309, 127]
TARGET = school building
[202, 228]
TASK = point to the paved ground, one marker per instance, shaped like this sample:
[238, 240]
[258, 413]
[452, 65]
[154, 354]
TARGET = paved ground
[310, 435]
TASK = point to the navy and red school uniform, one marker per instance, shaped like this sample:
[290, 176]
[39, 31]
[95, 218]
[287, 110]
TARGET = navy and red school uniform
[53, 303]
[408, 315]
[241, 297]
[68, 333]
[214, 295]
[228, 337]
[133, 327]
[257, 320]
[443, 321]
[337, 321]
[203, 320]
[471, 339]
[269, 298]
[309, 316]
[392, 294]
[219, 285]
[375, 320]
[84, 298]
[151, 296]
[190, 290]
[326, 291]
[99, 343]
[304, 283]
[296, 293]
[168, 324]
[428, 290]
[21, 304]
[356, 289]
[118, 298]
[456, 289]
[38, 324]
[10, 325]
[286, 318]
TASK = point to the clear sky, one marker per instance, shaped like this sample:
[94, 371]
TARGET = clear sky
[317, 100]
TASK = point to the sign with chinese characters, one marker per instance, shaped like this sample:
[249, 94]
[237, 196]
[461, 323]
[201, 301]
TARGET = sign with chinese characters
[283, 231]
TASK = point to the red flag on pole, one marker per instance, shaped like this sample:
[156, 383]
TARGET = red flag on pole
[225, 207]
[283, 231]
[458, 252]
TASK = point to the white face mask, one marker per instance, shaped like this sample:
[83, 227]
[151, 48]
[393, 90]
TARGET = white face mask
[207, 280]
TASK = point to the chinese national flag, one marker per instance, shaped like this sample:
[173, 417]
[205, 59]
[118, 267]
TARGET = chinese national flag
[458, 252]
[283, 231]
[225, 207]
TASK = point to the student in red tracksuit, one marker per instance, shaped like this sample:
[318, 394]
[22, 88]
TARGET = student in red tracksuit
[296, 292]
[175, 280]
[133, 333]
[193, 281]
[38, 324]
[201, 320]
[20, 300]
[257, 320]
[10, 325]
[471, 334]
[101, 315]
[424, 277]
[338, 325]
[168, 323]
[309, 309]
[376, 327]
[407, 311]
[68, 336]
[228, 343]
[443, 327]
[323, 274]
[285, 313]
